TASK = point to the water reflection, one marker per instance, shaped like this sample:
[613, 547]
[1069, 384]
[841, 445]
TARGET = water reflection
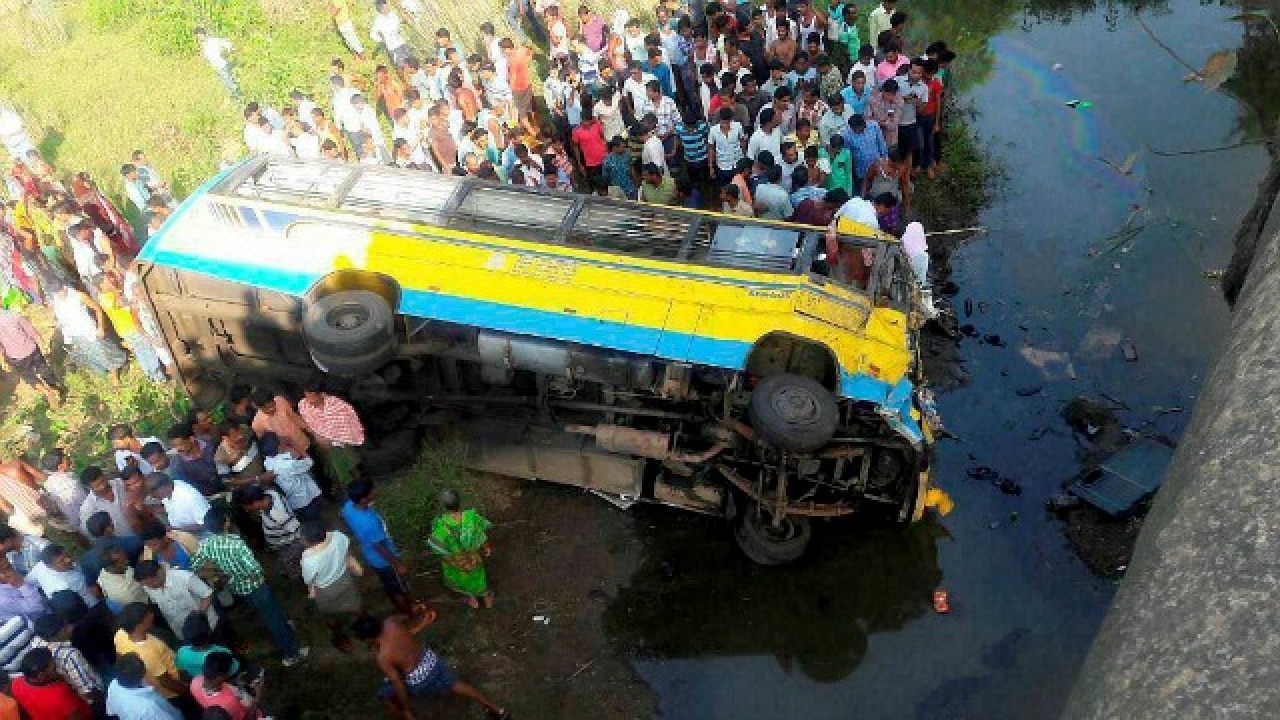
[696, 596]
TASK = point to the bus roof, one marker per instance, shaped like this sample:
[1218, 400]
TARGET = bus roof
[463, 203]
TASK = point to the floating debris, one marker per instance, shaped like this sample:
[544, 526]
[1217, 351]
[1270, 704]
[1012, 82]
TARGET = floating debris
[1130, 351]
[1079, 104]
[1213, 274]
[993, 340]
[1029, 390]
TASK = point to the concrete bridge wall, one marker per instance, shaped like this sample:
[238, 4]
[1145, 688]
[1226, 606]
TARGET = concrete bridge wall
[1195, 628]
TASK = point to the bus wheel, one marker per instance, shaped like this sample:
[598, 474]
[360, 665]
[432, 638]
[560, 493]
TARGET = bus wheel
[353, 330]
[768, 545]
[793, 413]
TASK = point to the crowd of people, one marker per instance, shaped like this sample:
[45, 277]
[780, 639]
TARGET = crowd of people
[170, 536]
[783, 112]
[65, 246]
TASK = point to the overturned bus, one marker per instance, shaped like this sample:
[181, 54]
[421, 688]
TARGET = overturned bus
[703, 361]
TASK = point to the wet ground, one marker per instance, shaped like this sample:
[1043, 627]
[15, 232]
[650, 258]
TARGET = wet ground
[1090, 248]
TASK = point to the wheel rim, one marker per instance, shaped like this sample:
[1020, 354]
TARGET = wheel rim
[347, 317]
[784, 532]
[796, 406]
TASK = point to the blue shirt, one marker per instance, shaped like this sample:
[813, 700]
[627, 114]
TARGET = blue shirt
[866, 147]
[617, 171]
[694, 141]
[370, 530]
[140, 703]
[663, 74]
[856, 102]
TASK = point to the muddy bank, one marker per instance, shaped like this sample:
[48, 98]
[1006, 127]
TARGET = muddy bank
[559, 559]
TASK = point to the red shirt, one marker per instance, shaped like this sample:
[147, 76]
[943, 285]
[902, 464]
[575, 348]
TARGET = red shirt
[55, 700]
[518, 69]
[589, 137]
[935, 97]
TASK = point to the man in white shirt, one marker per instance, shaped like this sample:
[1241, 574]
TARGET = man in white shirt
[635, 88]
[360, 122]
[652, 151]
[724, 142]
[878, 20]
[866, 65]
[184, 506]
[766, 137]
[216, 51]
[859, 211]
[293, 477]
[386, 30]
[835, 120]
[178, 593]
[128, 447]
[56, 571]
[105, 495]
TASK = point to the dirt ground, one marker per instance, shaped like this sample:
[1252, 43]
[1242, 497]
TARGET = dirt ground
[558, 554]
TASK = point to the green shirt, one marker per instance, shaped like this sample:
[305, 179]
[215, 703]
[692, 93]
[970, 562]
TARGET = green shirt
[233, 557]
[841, 172]
[662, 194]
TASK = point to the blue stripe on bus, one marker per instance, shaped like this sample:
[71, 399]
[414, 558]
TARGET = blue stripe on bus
[896, 398]
[509, 318]
[700, 349]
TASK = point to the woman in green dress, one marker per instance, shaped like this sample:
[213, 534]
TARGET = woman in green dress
[458, 537]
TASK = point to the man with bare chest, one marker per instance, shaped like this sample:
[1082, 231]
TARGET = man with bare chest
[412, 669]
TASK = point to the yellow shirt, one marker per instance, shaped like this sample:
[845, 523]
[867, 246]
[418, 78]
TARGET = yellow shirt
[120, 315]
[155, 655]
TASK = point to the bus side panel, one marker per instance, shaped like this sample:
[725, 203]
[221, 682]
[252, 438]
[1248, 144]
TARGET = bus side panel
[217, 329]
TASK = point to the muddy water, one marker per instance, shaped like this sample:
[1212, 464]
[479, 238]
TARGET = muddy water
[1080, 259]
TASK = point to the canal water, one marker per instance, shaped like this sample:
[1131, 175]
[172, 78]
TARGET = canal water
[1089, 248]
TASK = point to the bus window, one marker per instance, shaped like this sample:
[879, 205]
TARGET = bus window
[634, 230]
[751, 247]
[494, 210]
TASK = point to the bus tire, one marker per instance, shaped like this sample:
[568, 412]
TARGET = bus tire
[764, 544]
[793, 413]
[357, 366]
[349, 324]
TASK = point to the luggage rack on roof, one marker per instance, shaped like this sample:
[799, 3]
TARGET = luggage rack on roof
[519, 213]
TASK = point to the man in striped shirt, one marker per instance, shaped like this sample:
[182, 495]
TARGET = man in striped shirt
[54, 633]
[691, 133]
